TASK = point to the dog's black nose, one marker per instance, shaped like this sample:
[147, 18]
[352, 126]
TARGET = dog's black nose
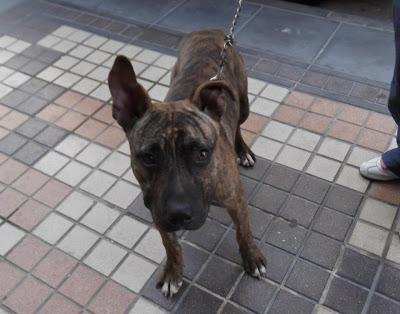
[179, 213]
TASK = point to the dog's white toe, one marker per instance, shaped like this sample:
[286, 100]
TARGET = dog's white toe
[256, 273]
[169, 289]
[263, 270]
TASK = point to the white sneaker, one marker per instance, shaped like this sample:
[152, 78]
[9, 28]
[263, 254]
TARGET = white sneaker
[373, 170]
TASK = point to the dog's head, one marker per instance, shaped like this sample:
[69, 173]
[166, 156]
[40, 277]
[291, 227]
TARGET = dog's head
[174, 146]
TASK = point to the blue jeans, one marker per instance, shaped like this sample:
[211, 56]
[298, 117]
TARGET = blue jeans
[392, 158]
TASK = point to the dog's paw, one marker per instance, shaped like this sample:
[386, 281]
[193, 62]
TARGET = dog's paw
[246, 161]
[254, 263]
[170, 282]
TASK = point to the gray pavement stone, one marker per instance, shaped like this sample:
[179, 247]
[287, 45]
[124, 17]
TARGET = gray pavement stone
[256, 172]
[30, 153]
[51, 136]
[32, 105]
[321, 250]
[343, 199]
[217, 271]
[282, 177]
[345, 297]
[33, 85]
[358, 267]
[14, 98]
[268, 198]
[389, 282]
[287, 302]
[33, 67]
[207, 236]
[332, 223]
[198, 301]
[381, 305]
[307, 279]
[31, 128]
[11, 143]
[278, 262]
[311, 188]
[51, 91]
[194, 259]
[253, 294]
[138, 209]
[299, 210]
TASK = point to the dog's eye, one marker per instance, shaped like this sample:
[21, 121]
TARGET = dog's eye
[149, 159]
[202, 155]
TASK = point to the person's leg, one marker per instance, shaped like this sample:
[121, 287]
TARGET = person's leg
[387, 166]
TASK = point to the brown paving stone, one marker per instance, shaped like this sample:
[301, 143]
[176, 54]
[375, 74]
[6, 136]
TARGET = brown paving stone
[71, 120]
[344, 131]
[315, 122]
[54, 268]
[112, 137]
[364, 91]
[28, 253]
[87, 106]
[30, 181]
[288, 114]
[374, 140]
[381, 122]
[386, 191]
[10, 277]
[82, 285]
[353, 115]
[68, 99]
[28, 296]
[29, 215]
[13, 120]
[10, 200]
[11, 170]
[104, 115]
[52, 193]
[51, 113]
[60, 305]
[248, 137]
[112, 298]
[91, 128]
[254, 123]
[325, 107]
[299, 100]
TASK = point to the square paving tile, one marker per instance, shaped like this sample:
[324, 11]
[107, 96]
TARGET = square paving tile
[58, 303]
[52, 228]
[345, 297]
[350, 177]
[358, 267]
[127, 231]
[51, 163]
[334, 149]
[299, 210]
[293, 157]
[11, 170]
[311, 188]
[122, 194]
[307, 279]
[151, 246]
[28, 296]
[11, 143]
[82, 285]
[73, 173]
[142, 305]
[266, 148]
[382, 305]
[30, 153]
[394, 250]
[378, 213]
[198, 301]
[387, 282]
[194, 260]
[10, 201]
[304, 139]
[28, 253]
[78, 241]
[278, 261]
[31, 127]
[344, 200]
[253, 294]
[264, 107]
[332, 223]
[207, 236]
[54, 268]
[321, 250]
[100, 217]
[97, 183]
[13, 236]
[287, 302]
[134, 272]
[29, 215]
[286, 235]
[11, 276]
[369, 238]
[51, 136]
[323, 168]
[268, 198]
[352, 40]
[282, 177]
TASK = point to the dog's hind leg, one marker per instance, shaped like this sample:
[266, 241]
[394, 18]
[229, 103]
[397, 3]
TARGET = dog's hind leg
[171, 278]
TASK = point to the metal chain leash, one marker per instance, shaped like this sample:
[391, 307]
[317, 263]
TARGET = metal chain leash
[228, 42]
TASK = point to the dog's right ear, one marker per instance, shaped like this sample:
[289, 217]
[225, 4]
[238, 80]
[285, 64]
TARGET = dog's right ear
[130, 99]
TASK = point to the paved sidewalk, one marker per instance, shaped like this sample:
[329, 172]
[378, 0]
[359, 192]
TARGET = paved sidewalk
[75, 236]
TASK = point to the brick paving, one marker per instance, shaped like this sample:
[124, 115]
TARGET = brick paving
[75, 235]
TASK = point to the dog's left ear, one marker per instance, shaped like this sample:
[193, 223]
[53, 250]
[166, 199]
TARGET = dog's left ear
[211, 97]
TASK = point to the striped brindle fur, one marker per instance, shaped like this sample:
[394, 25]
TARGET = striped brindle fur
[184, 150]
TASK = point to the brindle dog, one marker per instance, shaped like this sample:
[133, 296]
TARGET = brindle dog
[184, 150]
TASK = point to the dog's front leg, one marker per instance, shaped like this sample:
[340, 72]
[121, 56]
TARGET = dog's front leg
[253, 261]
[171, 278]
